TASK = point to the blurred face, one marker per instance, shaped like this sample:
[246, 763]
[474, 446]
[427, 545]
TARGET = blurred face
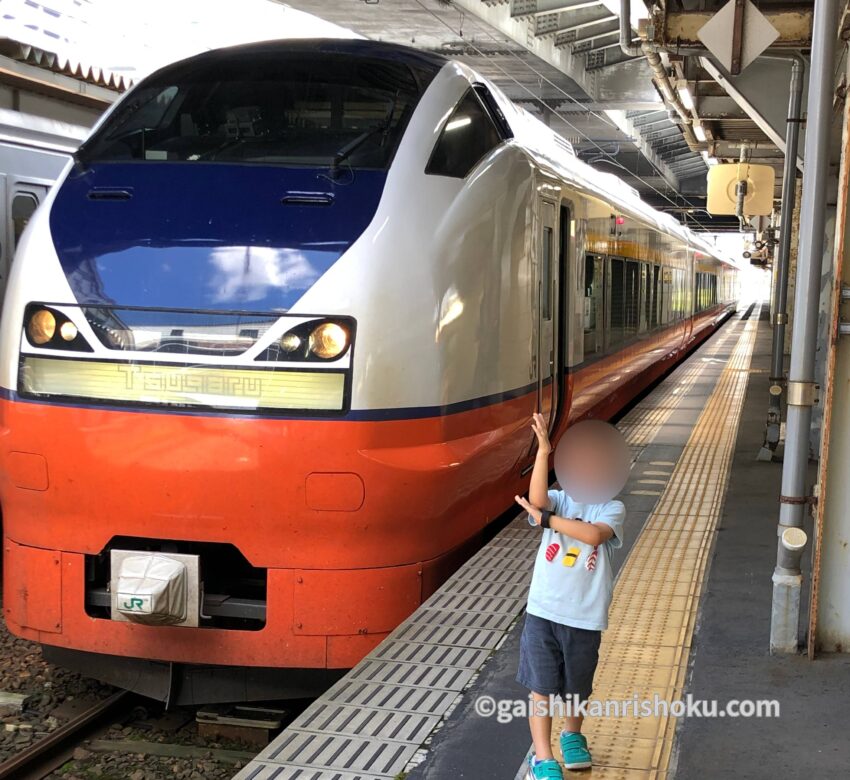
[592, 462]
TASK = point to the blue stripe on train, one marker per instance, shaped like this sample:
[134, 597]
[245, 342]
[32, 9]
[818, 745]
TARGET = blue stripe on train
[201, 235]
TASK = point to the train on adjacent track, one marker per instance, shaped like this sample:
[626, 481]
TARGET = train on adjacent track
[33, 153]
[271, 346]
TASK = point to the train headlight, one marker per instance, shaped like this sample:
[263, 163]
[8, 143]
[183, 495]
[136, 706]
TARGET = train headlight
[50, 328]
[290, 342]
[68, 331]
[328, 340]
[312, 341]
[41, 326]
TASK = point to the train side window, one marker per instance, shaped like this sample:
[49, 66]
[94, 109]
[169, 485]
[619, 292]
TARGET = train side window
[632, 299]
[655, 311]
[673, 301]
[666, 296]
[546, 275]
[618, 301]
[594, 291]
[676, 300]
[698, 293]
[646, 283]
[467, 136]
[495, 112]
[24, 205]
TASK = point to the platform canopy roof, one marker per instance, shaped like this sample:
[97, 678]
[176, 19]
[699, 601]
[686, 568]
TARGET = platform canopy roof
[120, 41]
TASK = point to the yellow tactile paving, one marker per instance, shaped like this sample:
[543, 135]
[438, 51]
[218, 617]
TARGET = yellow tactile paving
[620, 773]
[641, 423]
[645, 650]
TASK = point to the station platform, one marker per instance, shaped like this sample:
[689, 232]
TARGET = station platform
[690, 615]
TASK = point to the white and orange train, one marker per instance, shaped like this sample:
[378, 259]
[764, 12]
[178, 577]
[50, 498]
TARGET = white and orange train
[271, 345]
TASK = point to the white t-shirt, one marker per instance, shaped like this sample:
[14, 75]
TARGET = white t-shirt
[573, 581]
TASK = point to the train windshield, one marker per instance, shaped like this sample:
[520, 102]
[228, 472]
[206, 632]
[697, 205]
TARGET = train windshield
[294, 110]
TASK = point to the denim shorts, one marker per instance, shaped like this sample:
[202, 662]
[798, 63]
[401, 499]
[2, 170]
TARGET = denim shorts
[555, 659]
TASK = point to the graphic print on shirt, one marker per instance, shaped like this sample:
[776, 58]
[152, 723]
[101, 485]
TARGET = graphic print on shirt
[590, 563]
[552, 551]
[564, 590]
[571, 556]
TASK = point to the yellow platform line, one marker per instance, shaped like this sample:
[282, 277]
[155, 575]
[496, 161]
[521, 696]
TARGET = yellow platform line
[645, 650]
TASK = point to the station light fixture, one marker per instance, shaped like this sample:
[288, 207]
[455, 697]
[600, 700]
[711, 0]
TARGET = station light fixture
[685, 94]
[699, 132]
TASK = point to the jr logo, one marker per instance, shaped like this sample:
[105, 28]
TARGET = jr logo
[134, 604]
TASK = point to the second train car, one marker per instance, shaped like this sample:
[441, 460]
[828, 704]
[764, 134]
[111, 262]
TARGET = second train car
[271, 346]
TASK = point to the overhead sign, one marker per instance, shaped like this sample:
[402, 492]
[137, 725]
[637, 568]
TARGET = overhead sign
[737, 34]
[723, 188]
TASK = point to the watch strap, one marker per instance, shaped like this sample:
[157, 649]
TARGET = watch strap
[544, 518]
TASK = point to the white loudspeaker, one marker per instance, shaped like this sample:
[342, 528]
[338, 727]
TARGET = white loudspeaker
[723, 184]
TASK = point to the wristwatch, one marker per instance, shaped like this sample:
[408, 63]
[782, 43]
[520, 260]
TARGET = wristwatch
[545, 514]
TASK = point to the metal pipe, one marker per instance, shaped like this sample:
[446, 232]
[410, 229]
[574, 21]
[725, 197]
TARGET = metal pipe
[632, 49]
[791, 546]
[661, 79]
[783, 257]
[785, 613]
[670, 95]
[741, 186]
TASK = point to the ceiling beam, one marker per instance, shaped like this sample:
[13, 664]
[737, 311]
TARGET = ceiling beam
[680, 28]
[596, 40]
[551, 24]
[572, 107]
[521, 8]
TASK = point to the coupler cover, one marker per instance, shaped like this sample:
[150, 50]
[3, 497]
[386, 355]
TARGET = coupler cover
[154, 588]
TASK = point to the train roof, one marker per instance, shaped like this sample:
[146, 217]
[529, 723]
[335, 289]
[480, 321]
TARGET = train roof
[359, 47]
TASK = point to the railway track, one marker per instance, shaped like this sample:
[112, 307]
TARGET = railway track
[49, 753]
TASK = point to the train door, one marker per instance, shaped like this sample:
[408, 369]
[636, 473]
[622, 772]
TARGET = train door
[549, 358]
[550, 347]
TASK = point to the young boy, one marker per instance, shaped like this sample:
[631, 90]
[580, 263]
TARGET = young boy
[569, 597]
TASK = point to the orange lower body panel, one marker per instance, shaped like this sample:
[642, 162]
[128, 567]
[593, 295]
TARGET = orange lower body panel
[355, 522]
[316, 619]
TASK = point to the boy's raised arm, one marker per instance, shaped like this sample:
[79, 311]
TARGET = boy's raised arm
[538, 490]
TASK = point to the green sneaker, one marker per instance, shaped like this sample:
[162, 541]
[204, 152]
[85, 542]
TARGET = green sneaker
[574, 748]
[547, 769]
